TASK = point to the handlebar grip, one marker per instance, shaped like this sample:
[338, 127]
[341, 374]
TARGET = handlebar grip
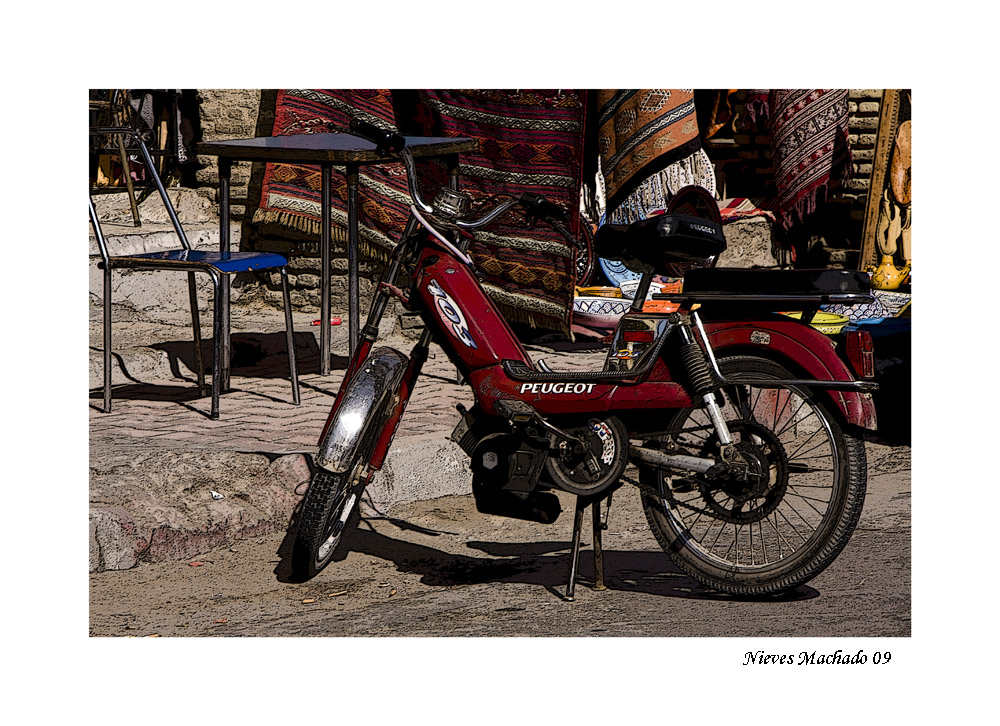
[542, 207]
[381, 138]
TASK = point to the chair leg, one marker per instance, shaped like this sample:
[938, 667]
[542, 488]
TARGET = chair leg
[227, 350]
[218, 307]
[107, 338]
[289, 335]
[196, 325]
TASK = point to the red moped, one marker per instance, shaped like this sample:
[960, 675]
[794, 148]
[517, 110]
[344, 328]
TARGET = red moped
[744, 424]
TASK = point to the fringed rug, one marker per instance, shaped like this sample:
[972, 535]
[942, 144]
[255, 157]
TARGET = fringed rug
[290, 194]
[809, 144]
[530, 141]
[648, 138]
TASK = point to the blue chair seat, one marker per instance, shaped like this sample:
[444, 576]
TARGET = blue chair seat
[225, 262]
[215, 264]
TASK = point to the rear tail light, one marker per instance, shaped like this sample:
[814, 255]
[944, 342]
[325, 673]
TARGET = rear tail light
[635, 335]
[860, 353]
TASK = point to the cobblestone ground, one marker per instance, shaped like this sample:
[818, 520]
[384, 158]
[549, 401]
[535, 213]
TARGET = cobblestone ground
[429, 565]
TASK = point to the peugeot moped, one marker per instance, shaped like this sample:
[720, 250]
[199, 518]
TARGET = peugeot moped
[744, 425]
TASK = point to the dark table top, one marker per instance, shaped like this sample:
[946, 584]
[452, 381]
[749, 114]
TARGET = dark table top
[328, 148]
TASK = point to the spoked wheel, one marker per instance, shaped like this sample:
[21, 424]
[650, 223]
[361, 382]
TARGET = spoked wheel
[329, 510]
[782, 520]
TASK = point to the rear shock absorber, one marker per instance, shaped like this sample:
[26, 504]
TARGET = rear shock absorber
[703, 383]
[696, 365]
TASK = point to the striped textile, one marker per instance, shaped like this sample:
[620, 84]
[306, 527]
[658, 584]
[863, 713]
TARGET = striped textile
[809, 144]
[742, 208]
[642, 132]
[808, 147]
[532, 141]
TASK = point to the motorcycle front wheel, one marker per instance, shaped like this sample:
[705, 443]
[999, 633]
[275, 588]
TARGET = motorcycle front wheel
[329, 510]
[785, 520]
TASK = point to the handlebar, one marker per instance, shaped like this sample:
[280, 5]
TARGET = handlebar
[380, 137]
[390, 140]
[542, 207]
[536, 204]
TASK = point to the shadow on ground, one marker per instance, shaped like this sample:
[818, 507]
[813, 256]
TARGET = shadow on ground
[255, 355]
[542, 563]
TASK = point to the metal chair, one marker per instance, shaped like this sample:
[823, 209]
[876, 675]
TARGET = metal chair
[217, 265]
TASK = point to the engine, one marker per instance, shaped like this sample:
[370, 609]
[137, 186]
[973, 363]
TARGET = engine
[516, 465]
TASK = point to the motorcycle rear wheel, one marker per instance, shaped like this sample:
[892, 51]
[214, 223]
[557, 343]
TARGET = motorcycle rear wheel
[792, 521]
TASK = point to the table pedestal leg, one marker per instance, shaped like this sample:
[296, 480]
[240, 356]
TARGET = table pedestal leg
[353, 309]
[324, 261]
[225, 170]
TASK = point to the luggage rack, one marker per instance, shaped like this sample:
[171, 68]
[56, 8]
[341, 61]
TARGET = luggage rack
[706, 298]
[772, 289]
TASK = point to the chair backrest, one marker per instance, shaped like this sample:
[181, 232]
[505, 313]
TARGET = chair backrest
[134, 135]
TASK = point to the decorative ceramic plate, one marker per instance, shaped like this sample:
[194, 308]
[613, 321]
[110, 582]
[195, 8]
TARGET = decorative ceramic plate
[616, 271]
[599, 312]
[862, 311]
[826, 323]
[599, 292]
[894, 302]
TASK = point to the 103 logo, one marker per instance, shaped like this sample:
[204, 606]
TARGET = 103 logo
[451, 314]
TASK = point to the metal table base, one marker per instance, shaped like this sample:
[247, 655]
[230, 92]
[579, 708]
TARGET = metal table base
[326, 151]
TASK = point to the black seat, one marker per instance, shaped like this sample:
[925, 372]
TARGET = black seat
[690, 231]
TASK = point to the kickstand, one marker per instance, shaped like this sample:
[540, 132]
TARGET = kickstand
[581, 505]
[598, 547]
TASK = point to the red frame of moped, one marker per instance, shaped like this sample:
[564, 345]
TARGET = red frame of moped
[466, 323]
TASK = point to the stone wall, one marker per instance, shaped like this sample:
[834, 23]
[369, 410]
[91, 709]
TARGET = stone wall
[228, 114]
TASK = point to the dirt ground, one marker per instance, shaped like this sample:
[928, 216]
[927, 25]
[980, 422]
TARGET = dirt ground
[440, 568]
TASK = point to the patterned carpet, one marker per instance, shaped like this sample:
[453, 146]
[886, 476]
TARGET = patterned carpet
[809, 144]
[290, 195]
[644, 135]
[531, 141]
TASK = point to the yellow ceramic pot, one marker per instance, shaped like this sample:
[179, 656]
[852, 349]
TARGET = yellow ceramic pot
[887, 276]
[613, 292]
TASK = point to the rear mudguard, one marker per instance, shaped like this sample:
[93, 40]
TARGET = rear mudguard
[359, 413]
[799, 348]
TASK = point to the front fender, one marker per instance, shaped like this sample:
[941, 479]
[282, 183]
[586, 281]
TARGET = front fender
[367, 395]
[799, 348]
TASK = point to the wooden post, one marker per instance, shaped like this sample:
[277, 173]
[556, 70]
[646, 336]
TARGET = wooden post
[888, 121]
